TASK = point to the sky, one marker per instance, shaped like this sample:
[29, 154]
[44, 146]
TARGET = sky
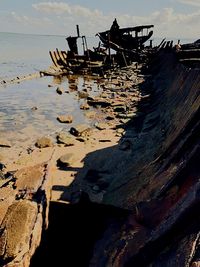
[171, 18]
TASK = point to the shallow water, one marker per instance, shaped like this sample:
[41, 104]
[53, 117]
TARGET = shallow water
[29, 109]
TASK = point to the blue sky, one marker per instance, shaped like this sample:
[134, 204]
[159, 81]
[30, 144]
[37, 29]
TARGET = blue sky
[172, 18]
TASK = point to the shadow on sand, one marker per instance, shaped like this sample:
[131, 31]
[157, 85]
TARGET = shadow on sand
[72, 232]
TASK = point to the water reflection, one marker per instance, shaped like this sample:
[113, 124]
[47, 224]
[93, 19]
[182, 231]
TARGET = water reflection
[32, 107]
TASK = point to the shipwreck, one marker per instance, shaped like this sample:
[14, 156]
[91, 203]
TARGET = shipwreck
[126, 38]
[134, 204]
[117, 47]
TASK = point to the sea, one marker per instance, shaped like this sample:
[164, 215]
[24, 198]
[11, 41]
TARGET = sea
[29, 109]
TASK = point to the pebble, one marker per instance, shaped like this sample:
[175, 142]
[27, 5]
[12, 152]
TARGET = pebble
[101, 125]
[65, 118]
[66, 160]
[65, 138]
[85, 106]
[59, 90]
[44, 142]
[80, 130]
[4, 143]
[82, 94]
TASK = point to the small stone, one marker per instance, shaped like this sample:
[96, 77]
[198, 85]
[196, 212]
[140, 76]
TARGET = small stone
[59, 90]
[99, 102]
[90, 114]
[80, 130]
[82, 94]
[65, 118]
[131, 115]
[34, 108]
[117, 104]
[66, 160]
[85, 106]
[110, 117]
[81, 139]
[2, 166]
[101, 125]
[50, 85]
[120, 109]
[4, 143]
[44, 142]
[120, 130]
[65, 138]
[124, 121]
[104, 140]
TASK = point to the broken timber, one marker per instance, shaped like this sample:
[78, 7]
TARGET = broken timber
[24, 207]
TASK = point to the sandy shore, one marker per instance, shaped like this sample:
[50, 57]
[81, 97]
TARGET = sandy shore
[116, 105]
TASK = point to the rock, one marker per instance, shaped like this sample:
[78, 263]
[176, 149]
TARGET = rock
[66, 160]
[65, 138]
[104, 140]
[85, 106]
[81, 139]
[73, 87]
[2, 166]
[4, 143]
[29, 179]
[80, 130]
[110, 117]
[120, 130]
[119, 109]
[34, 108]
[126, 116]
[90, 114]
[16, 229]
[124, 121]
[82, 94]
[50, 85]
[59, 90]
[65, 118]
[99, 102]
[44, 142]
[117, 104]
[131, 115]
[101, 125]
[104, 95]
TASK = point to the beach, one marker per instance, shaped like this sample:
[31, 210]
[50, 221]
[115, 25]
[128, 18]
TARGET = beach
[105, 164]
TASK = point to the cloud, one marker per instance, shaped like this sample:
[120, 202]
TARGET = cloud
[190, 2]
[64, 8]
[61, 18]
[32, 21]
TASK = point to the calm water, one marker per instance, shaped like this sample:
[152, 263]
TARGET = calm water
[22, 54]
